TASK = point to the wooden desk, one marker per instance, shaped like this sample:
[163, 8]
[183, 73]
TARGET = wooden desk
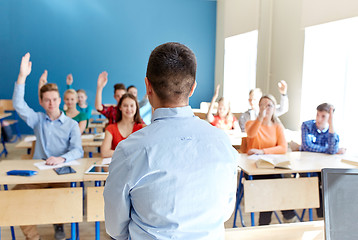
[301, 162]
[41, 206]
[293, 231]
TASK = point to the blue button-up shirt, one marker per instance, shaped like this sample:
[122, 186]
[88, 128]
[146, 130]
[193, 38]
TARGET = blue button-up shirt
[58, 138]
[315, 140]
[174, 179]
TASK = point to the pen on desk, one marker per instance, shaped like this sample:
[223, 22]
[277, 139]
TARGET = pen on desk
[44, 159]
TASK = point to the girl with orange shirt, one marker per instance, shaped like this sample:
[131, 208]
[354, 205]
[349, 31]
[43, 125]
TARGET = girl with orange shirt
[128, 121]
[265, 135]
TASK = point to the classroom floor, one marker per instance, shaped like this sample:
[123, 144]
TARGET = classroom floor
[87, 230]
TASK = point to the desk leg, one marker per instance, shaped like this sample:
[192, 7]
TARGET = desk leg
[97, 184]
[238, 199]
[11, 228]
[310, 213]
[252, 214]
[73, 225]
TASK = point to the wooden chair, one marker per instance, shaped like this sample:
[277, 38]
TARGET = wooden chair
[6, 106]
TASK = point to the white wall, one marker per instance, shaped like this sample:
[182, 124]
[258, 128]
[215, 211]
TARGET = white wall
[281, 39]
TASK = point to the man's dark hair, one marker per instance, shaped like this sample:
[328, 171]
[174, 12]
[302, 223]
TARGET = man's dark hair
[131, 86]
[119, 86]
[171, 71]
[137, 118]
[325, 107]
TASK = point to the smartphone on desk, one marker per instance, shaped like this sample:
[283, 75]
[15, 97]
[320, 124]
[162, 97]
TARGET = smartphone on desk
[64, 170]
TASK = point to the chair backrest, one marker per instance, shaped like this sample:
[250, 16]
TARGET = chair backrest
[243, 147]
[6, 105]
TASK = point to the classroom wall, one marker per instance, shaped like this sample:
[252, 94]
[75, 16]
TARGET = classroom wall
[86, 37]
[280, 41]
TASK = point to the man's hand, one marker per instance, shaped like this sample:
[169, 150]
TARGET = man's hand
[55, 160]
[330, 120]
[255, 151]
[341, 150]
[282, 87]
[25, 68]
[43, 79]
[102, 80]
[69, 79]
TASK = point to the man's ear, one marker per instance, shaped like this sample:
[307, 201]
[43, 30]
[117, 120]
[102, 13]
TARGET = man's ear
[148, 86]
[192, 89]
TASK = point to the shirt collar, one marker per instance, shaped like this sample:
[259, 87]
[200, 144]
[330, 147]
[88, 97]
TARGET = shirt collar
[321, 131]
[61, 119]
[172, 113]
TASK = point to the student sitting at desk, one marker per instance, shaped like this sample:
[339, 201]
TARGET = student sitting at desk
[82, 104]
[58, 136]
[254, 97]
[71, 99]
[224, 119]
[128, 121]
[119, 89]
[265, 135]
[319, 135]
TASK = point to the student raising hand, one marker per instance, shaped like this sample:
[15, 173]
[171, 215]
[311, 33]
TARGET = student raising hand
[25, 68]
[102, 80]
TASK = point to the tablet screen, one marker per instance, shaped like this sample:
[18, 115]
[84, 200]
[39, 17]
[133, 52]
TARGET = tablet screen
[98, 169]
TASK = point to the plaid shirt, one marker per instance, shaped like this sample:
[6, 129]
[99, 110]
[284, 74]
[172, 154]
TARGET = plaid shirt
[315, 140]
[110, 113]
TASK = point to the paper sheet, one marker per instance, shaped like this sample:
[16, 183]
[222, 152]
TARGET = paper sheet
[30, 138]
[106, 160]
[42, 165]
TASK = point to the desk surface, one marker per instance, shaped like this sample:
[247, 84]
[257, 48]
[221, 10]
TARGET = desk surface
[4, 115]
[43, 176]
[293, 231]
[301, 162]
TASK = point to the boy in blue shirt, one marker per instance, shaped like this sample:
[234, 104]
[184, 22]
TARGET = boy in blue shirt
[58, 137]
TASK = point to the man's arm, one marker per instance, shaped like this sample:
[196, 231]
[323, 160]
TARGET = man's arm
[101, 83]
[116, 197]
[75, 148]
[284, 105]
[25, 112]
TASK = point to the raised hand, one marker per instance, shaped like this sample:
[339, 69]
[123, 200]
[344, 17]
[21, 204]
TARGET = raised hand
[69, 79]
[216, 94]
[43, 79]
[262, 112]
[25, 68]
[102, 80]
[282, 87]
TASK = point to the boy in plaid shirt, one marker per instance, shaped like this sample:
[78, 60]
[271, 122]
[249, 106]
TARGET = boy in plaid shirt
[319, 135]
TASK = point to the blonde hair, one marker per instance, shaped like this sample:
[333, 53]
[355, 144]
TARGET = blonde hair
[229, 115]
[81, 91]
[274, 118]
[47, 88]
[70, 91]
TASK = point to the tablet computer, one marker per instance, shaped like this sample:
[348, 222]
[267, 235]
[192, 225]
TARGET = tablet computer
[97, 169]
